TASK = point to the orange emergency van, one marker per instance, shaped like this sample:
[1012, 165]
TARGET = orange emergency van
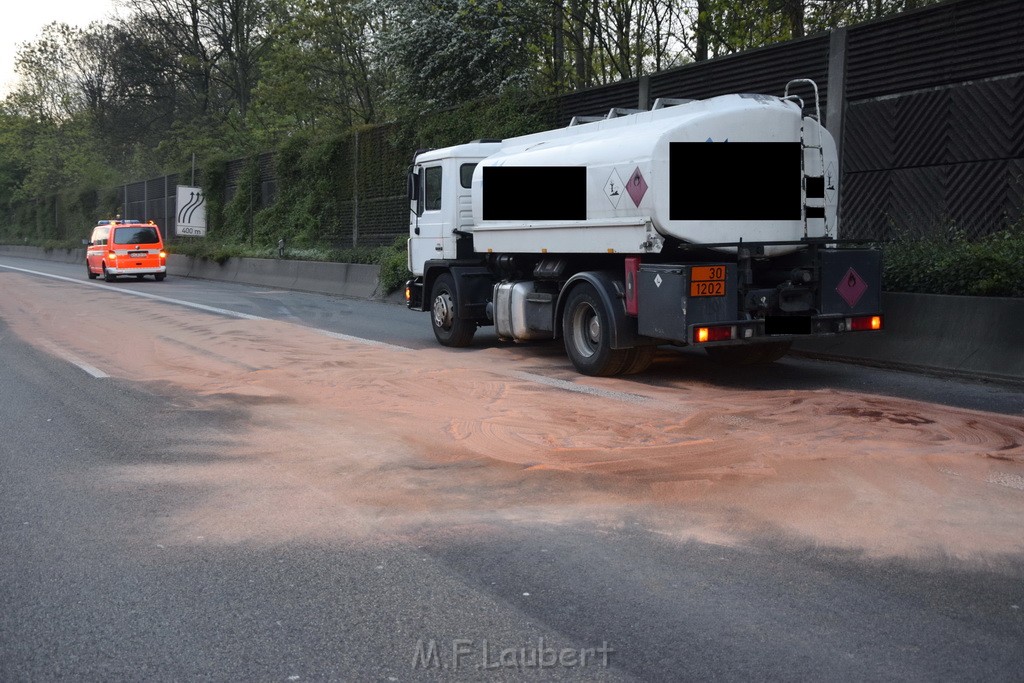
[125, 247]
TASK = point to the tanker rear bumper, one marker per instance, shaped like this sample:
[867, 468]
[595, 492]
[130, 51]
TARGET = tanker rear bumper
[781, 329]
[814, 293]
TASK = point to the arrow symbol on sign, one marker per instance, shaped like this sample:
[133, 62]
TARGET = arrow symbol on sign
[184, 209]
[199, 202]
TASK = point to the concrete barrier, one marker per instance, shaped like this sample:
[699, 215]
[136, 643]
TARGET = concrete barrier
[958, 335]
[977, 337]
[356, 280]
[61, 255]
[266, 273]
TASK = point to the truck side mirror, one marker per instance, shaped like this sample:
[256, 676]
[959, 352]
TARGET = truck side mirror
[415, 203]
[86, 243]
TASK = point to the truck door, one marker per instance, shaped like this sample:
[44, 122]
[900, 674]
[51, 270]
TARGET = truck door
[432, 236]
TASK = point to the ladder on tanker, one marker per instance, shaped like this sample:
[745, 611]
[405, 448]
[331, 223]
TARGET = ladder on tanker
[816, 179]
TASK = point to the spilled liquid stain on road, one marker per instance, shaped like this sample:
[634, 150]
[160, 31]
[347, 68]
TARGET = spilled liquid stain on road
[343, 440]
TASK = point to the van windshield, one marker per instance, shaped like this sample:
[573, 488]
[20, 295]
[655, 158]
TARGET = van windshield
[136, 236]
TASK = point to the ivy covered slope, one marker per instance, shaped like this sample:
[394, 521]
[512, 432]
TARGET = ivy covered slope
[316, 181]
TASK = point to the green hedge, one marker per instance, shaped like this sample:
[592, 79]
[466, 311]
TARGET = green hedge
[949, 263]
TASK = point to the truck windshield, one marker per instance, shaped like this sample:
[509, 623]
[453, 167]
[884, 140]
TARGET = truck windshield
[136, 236]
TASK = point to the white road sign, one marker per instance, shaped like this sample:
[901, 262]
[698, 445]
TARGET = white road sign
[191, 217]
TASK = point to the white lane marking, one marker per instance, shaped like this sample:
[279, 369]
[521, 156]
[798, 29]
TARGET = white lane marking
[582, 388]
[528, 376]
[144, 295]
[1013, 481]
[76, 361]
[203, 307]
[360, 340]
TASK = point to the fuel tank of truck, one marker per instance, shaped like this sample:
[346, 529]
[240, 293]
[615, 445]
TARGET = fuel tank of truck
[722, 170]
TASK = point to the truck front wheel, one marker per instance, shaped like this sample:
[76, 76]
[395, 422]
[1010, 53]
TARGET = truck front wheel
[750, 354]
[586, 332]
[449, 329]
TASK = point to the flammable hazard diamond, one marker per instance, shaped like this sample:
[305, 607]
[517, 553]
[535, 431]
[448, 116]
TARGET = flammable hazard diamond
[851, 287]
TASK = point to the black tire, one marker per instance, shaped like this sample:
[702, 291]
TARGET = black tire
[139, 277]
[107, 276]
[586, 332]
[88, 271]
[640, 359]
[449, 329]
[160, 276]
[751, 354]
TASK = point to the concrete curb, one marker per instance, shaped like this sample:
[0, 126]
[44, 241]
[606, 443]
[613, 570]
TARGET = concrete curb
[973, 337]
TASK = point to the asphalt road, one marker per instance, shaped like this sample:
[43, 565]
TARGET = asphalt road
[86, 593]
[392, 323]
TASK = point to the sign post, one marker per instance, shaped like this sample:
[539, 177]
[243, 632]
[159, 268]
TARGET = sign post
[191, 217]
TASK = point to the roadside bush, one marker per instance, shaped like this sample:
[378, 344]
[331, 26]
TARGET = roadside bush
[393, 269]
[948, 263]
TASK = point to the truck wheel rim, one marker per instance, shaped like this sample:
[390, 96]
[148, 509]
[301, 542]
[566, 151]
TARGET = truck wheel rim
[586, 330]
[443, 310]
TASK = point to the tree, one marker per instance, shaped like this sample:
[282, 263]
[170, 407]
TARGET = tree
[591, 42]
[322, 64]
[46, 88]
[212, 45]
[189, 52]
[453, 51]
[239, 30]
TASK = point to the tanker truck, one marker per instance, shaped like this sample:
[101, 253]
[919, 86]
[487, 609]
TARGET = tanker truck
[708, 223]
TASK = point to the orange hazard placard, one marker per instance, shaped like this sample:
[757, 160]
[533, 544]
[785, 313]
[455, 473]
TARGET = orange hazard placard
[707, 281]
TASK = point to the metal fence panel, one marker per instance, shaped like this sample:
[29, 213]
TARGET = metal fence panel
[763, 70]
[947, 43]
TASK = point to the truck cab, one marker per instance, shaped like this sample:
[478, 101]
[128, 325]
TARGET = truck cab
[440, 201]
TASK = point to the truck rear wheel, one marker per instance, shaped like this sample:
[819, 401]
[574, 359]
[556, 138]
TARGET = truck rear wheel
[586, 331]
[449, 329]
[750, 354]
[640, 358]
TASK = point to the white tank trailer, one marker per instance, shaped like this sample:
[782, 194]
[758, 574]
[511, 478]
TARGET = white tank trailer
[711, 223]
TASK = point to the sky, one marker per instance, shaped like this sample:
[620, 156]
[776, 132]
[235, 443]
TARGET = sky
[24, 19]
